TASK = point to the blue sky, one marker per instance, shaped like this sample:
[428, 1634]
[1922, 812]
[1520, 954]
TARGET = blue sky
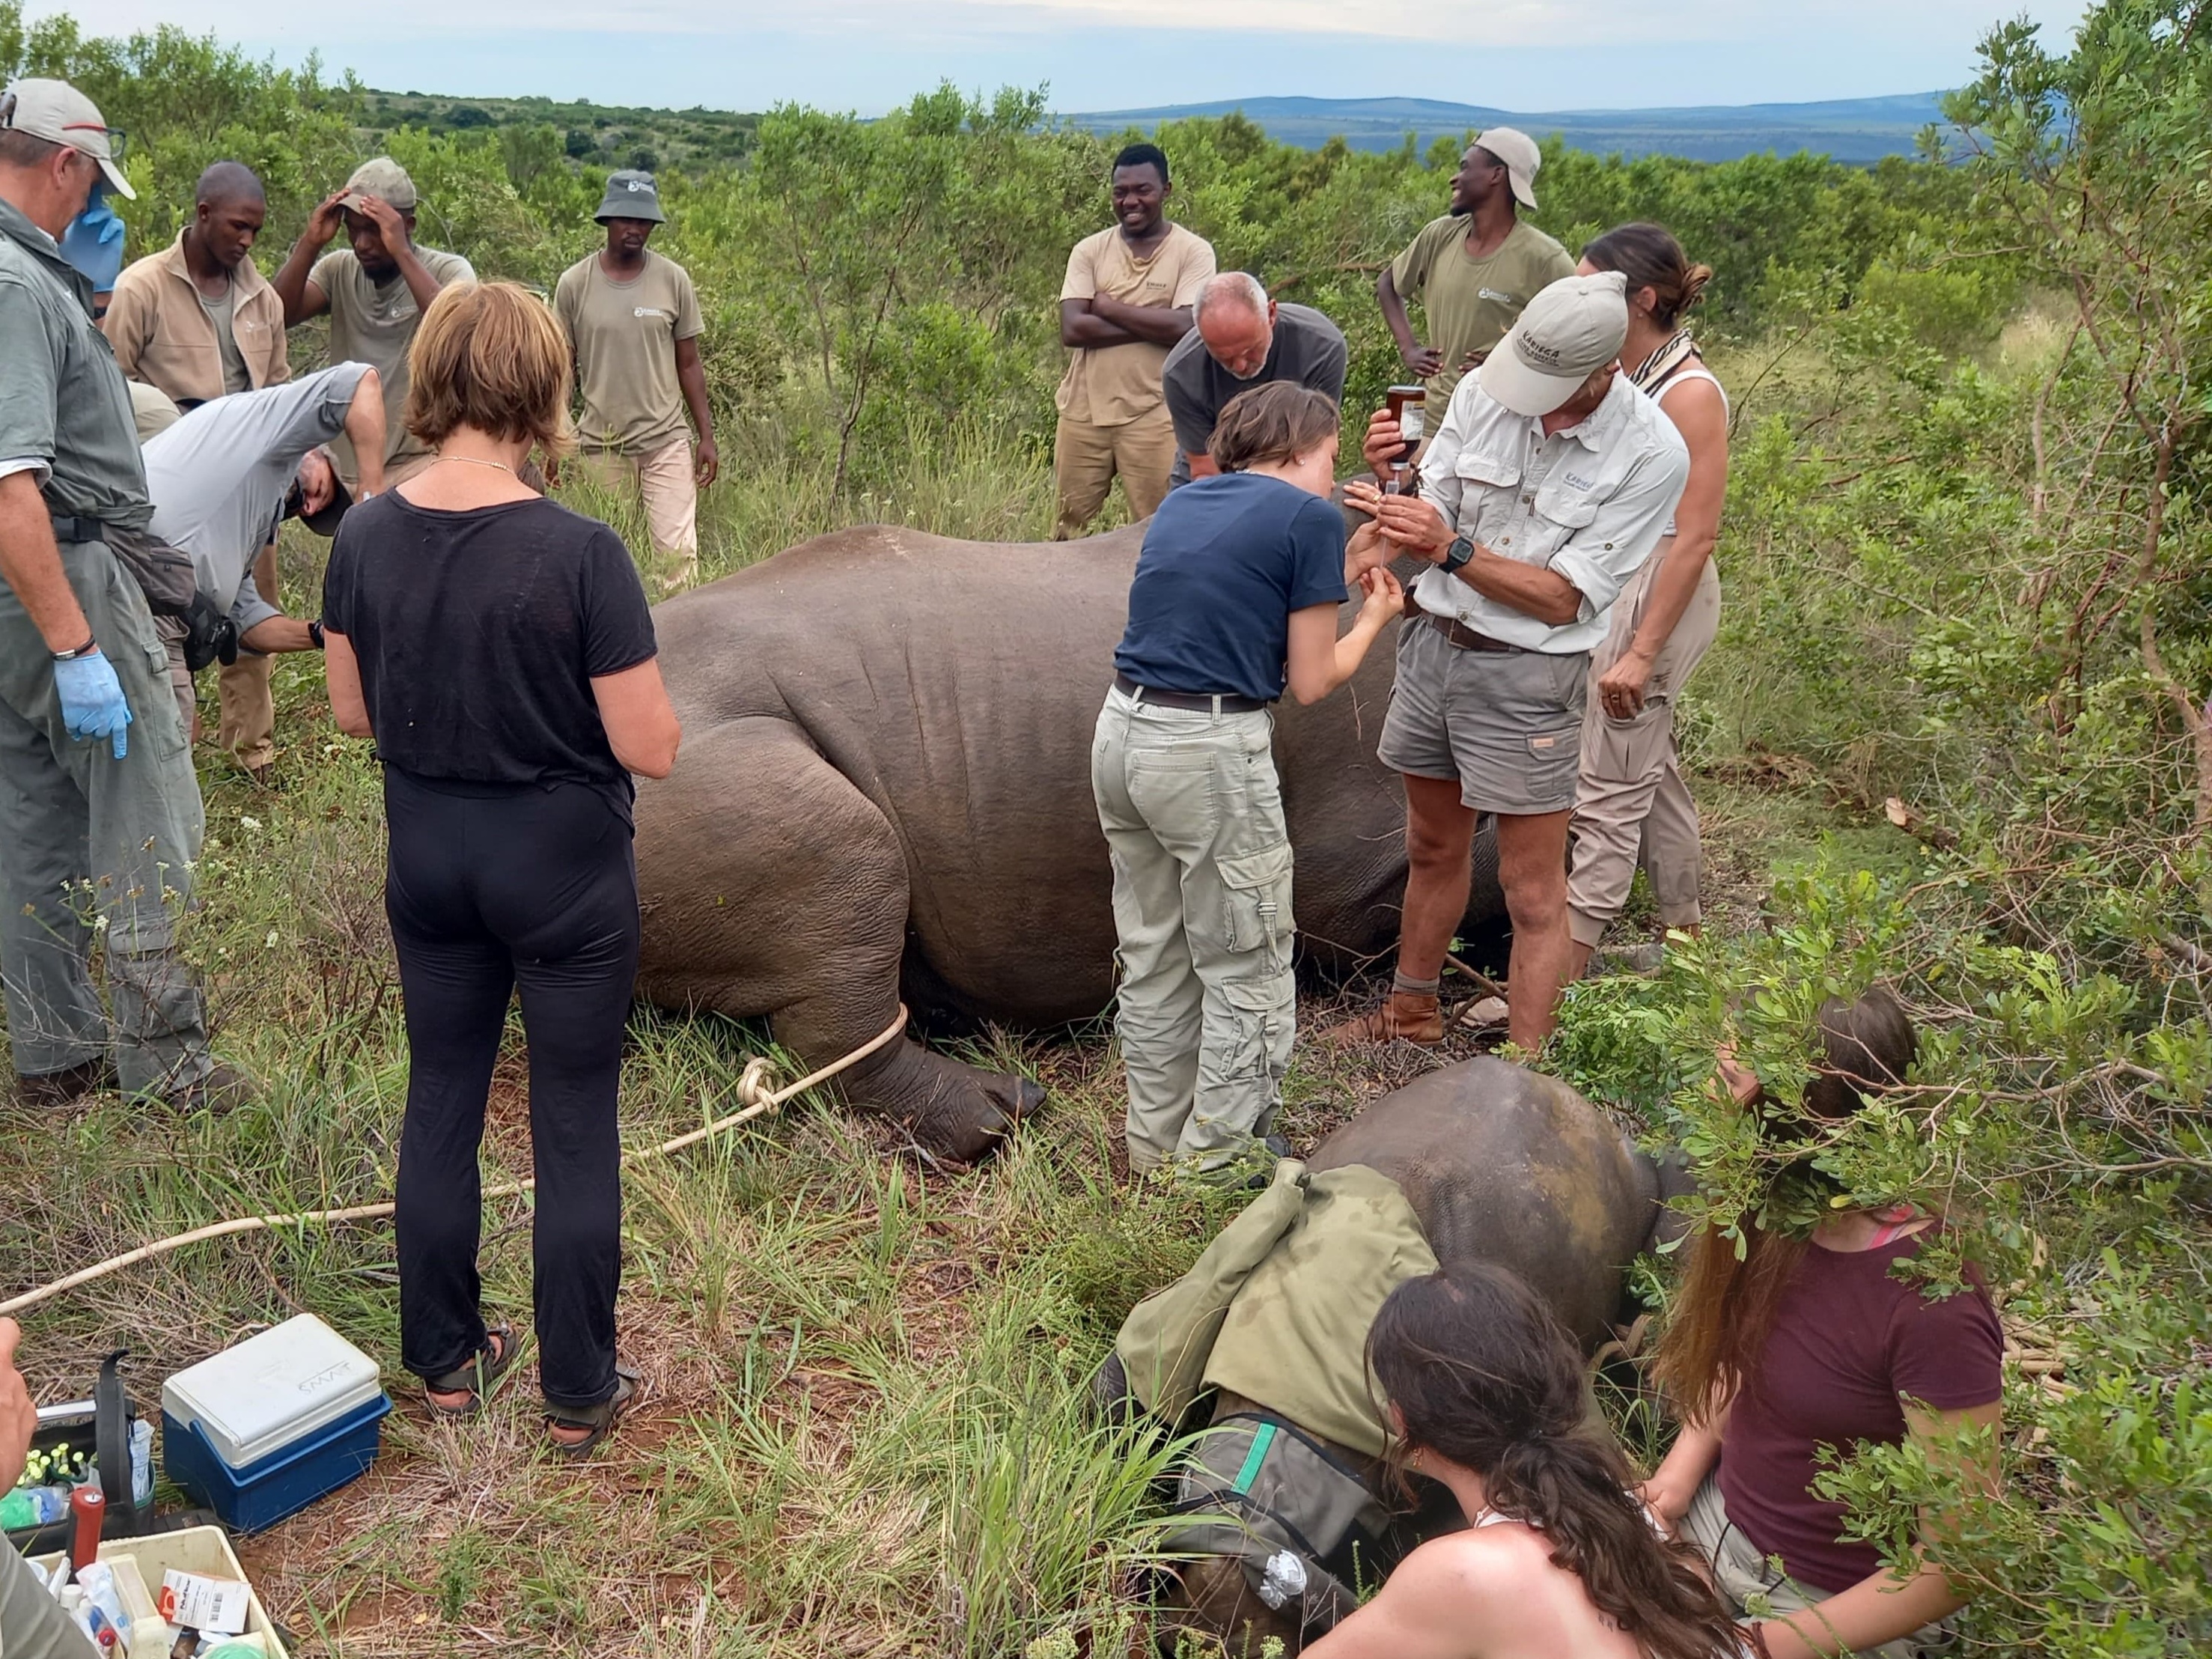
[868, 55]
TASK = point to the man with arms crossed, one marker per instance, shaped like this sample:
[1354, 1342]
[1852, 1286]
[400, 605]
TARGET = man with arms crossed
[1240, 339]
[196, 322]
[100, 813]
[375, 290]
[1473, 269]
[1127, 299]
[1550, 480]
[632, 319]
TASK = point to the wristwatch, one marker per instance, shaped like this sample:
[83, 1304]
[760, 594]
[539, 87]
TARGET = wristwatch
[315, 633]
[1456, 556]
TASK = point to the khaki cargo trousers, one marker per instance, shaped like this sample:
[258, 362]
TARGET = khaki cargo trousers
[1208, 1006]
[668, 486]
[95, 850]
[1632, 801]
[1086, 460]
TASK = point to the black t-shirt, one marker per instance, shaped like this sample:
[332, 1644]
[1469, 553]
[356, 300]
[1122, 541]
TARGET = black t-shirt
[1307, 348]
[1225, 561]
[478, 635]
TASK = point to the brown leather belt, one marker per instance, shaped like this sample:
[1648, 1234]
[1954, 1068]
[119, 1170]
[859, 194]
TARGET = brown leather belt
[1465, 638]
[1209, 703]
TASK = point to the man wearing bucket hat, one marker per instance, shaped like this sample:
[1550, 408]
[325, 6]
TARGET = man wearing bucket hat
[633, 322]
[375, 290]
[1550, 480]
[1473, 269]
[99, 812]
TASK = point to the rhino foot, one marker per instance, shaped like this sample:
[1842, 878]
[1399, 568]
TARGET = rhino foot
[951, 1110]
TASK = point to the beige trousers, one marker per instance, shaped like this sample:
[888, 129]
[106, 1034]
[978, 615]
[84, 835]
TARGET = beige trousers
[669, 489]
[1207, 1009]
[247, 728]
[1755, 1588]
[1631, 799]
[1086, 460]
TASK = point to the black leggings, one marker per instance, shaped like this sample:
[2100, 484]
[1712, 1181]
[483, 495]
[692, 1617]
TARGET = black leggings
[486, 891]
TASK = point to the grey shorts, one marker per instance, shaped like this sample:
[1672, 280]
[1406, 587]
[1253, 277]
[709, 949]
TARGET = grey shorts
[1506, 724]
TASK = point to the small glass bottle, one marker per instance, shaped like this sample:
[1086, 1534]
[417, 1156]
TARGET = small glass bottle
[1408, 405]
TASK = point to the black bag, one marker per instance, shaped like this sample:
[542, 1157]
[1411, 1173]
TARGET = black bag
[106, 1429]
[172, 589]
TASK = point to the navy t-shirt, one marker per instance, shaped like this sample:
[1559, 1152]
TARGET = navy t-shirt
[1225, 561]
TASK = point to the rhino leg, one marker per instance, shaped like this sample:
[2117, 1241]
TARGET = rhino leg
[776, 887]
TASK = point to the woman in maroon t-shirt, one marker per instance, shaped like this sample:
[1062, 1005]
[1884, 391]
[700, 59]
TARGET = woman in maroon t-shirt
[1809, 1343]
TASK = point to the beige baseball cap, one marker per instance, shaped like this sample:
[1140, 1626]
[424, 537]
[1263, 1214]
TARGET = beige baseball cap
[57, 112]
[1568, 332]
[151, 411]
[385, 179]
[1518, 151]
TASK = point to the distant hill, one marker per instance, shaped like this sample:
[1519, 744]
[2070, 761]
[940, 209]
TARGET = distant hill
[1847, 129]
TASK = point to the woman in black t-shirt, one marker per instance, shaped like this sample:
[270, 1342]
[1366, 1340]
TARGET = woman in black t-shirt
[498, 649]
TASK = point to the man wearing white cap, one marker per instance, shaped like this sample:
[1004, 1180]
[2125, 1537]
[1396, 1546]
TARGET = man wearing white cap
[1473, 269]
[99, 812]
[375, 289]
[1549, 482]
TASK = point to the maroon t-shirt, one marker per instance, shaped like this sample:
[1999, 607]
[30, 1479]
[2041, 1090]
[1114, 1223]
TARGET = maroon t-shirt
[1849, 1340]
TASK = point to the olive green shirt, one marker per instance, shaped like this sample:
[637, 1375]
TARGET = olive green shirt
[1471, 303]
[624, 335]
[375, 323]
[64, 408]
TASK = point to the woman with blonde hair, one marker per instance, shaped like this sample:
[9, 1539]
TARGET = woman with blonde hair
[1631, 800]
[498, 649]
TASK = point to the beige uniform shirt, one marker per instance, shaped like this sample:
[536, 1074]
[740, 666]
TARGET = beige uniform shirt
[1113, 385]
[375, 323]
[624, 337]
[167, 336]
[1471, 303]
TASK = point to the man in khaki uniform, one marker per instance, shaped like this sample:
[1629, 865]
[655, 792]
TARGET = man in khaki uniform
[375, 291]
[1127, 300]
[197, 321]
[1475, 267]
[633, 322]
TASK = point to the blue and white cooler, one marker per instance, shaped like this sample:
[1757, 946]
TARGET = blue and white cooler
[260, 1430]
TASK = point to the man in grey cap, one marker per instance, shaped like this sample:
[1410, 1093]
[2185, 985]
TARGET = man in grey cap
[633, 322]
[1549, 481]
[99, 812]
[376, 291]
[1473, 269]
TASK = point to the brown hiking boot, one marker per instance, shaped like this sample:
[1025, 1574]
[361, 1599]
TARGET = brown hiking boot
[51, 1091]
[1407, 1017]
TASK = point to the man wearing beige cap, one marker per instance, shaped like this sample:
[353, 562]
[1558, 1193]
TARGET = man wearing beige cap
[1550, 480]
[1473, 269]
[376, 291]
[99, 812]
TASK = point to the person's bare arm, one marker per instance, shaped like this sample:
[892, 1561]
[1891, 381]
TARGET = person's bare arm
[31, 565]
[1430, 1608]
[1319, 661]
[366, 430]
[1886, 1606]
[304, 299]
[641, 722]
[399, 243]
[1201, 465]
[1082, 327]
[1416, 525]
[1684, 1469]
[341, 675]
[691, 376]
[1420, 361]
[1701, 418]
[1160, 325]
[276, 633]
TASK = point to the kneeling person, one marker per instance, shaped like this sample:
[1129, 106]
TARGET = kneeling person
[1235, 599]
[224, 476]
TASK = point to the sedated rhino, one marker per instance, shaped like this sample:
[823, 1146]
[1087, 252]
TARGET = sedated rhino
[885, 793]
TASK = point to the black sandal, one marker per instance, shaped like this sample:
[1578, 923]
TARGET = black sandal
[600, 1419]
[485, 1367]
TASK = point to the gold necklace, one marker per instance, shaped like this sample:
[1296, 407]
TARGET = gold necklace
[470, 460]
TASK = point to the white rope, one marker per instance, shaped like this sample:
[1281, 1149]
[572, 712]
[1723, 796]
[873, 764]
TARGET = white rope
[752, 1089]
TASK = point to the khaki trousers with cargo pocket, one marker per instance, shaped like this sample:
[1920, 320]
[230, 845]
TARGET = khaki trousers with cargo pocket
[1208, 1007]
[246, 728]
[1632, 802]
[668, 487]
[1087, 458]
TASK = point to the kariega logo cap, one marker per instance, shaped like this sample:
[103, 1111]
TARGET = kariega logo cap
[1568, 332]
[631, 195]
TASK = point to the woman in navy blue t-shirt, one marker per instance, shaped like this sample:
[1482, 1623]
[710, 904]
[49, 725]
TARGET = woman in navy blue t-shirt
[1235, 600]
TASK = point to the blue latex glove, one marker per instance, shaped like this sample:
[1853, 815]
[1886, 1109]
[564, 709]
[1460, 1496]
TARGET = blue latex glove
[92, 705]
[94, 244]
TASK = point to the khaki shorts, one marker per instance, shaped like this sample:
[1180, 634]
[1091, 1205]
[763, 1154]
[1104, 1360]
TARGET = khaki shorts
[1506, 724]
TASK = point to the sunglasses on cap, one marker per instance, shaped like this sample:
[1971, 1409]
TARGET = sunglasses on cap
[118, 140]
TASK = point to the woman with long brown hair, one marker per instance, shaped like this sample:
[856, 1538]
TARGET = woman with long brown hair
[1805, 1342]
[1559, 1560]
[1631, 803]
